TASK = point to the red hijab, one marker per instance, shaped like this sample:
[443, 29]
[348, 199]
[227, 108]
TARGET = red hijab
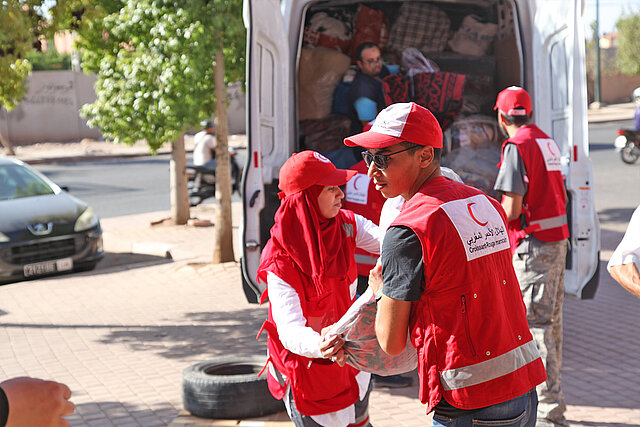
[317, 245]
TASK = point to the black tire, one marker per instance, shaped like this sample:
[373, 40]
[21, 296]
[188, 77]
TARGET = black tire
[228, 387]
[629, 153]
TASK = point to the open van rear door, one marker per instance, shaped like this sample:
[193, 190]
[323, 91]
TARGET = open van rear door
[268, 110]
[559, 84]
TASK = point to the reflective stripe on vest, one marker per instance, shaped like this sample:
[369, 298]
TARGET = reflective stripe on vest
[547, 223]
[366, 259]
[490, 369]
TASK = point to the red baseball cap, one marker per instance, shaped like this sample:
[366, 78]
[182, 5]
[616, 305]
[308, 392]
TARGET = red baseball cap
[307, 168]
[514, 101]
[397, 123]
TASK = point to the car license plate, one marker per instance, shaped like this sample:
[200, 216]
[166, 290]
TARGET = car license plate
[46, 267]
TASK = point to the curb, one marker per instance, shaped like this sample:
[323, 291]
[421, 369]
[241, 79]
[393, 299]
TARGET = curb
[88, 157]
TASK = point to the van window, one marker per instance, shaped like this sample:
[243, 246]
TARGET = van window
[559, 67]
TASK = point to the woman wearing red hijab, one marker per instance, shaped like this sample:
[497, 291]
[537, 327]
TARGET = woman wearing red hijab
[310, 271]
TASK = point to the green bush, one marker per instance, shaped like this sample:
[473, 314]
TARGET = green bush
[49, 60]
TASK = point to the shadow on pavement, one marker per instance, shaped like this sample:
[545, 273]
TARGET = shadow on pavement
[123, 261]
[620, 215]
[208, 334]
[121, 412]
[129, 260]
[599, 343]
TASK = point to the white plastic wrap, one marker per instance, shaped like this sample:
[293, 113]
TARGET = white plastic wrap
[357, 327]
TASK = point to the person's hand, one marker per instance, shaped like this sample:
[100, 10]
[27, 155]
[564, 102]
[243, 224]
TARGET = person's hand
[331, 347]
[375, 277]
[36, 402]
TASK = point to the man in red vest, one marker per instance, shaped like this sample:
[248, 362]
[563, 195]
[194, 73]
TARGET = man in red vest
[534, 199]
[446, 281]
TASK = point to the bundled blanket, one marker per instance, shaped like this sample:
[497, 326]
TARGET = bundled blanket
[440, 92]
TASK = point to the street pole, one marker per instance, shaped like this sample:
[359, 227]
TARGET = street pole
[596, 40]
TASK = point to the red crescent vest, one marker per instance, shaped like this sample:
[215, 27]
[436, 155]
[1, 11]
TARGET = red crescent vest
[543, 205]
[469, 326]
[319, 386]
[362, 198]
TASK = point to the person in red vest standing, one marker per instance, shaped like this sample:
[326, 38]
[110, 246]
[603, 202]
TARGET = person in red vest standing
[534, 198]
[446, 281]
[309, 267]
[362, 198]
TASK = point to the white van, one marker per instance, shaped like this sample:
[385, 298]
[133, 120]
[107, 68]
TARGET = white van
[538, 45]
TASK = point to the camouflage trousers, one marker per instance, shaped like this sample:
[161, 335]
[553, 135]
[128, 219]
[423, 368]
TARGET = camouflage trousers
[540, 270]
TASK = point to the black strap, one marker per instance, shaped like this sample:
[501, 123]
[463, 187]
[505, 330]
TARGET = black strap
[4, 408]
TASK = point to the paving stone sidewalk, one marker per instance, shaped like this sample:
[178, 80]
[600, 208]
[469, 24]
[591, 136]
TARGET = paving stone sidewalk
[121, 335]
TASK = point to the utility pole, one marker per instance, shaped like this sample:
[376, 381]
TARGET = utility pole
[596, 40]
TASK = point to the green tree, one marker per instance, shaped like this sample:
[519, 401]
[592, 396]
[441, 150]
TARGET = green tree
[21, 28]
[154, 62]
[628, 55]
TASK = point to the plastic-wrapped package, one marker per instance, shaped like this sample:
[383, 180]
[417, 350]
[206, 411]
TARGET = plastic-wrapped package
[320, 70]
[475, 131]
[414, 62]
[476, 166]
[331, 28]
[474, 37]
[420, 25]
[357, 327]
[370, 25]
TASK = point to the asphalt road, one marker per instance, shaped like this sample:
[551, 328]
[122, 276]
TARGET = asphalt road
[119, 187]
[617, 192]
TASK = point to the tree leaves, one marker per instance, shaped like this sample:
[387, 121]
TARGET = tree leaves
[628, 54]
[153, 59]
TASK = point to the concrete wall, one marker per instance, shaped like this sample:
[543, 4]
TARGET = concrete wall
[50, 109]
[614, 88]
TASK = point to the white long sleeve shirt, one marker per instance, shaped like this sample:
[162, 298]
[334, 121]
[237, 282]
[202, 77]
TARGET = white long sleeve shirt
[300, 339]
[628, 250]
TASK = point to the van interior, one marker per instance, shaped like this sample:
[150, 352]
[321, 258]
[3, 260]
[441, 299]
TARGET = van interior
[452, 57]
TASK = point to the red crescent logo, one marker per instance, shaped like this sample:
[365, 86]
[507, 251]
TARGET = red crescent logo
[355, 181]
[550, 149]
[473, 217]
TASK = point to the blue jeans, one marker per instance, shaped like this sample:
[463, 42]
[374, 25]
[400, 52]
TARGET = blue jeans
[517, 412]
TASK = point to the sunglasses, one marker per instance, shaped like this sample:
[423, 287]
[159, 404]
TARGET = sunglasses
[381, 160]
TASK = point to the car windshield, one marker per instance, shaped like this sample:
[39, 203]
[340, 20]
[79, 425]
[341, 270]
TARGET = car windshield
[17, 181]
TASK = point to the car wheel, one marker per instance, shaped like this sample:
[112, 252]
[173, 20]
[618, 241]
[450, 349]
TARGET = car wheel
[228, 387]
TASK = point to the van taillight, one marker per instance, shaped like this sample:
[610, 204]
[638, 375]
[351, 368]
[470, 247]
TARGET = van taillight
[620, 132]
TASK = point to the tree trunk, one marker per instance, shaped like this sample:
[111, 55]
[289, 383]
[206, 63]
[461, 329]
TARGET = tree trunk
[7, 145]
[223, 236]
[178, 171]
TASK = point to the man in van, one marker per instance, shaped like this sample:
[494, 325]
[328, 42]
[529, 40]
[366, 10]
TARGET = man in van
[534, 198]
[446, 280]
[366, 95]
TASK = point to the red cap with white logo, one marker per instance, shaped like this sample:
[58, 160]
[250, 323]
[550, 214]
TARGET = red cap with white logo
[398, 123]
[307, 168]
[514, 101]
